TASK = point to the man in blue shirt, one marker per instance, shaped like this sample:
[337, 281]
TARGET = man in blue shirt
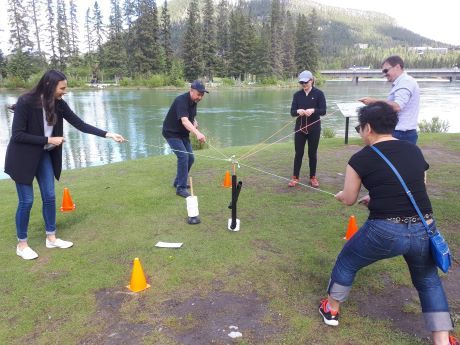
[404, 98]
[178, 123]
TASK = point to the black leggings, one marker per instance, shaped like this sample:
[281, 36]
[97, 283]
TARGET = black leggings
[300, 139]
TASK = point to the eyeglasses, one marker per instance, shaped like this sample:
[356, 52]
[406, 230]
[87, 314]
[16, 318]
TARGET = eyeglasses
[304, 82]
[385, 71]
[358, 128]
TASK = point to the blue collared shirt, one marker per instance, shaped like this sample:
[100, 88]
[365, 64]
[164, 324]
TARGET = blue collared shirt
[406, 93]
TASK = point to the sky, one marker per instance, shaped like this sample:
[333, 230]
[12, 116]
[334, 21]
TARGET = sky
[436, 20]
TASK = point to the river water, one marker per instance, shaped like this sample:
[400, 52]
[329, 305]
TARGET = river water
[228, 117]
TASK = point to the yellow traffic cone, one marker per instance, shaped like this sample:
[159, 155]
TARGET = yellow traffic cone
[138, 281]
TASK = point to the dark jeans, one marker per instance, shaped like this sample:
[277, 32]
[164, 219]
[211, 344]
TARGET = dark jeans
[45, 179]
[410, 135]
[300, 139]
[183, 150]
[382, 239]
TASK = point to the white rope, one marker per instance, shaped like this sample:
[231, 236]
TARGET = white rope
[217, 150]
[287, 179]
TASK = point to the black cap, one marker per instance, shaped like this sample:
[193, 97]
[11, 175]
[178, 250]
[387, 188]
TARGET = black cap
[199, 86]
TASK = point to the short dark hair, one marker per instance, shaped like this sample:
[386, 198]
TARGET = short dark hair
[394, 60]
[380, 116]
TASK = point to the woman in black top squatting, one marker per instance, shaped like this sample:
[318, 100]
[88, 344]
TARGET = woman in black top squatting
[393, 227]
[308, 105]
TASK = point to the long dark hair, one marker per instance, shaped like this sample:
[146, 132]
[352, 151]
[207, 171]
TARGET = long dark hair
[43, 94]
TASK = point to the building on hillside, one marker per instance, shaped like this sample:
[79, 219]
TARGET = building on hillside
[423, 50]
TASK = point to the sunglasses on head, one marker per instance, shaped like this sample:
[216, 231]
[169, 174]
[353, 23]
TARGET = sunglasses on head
[304, 82]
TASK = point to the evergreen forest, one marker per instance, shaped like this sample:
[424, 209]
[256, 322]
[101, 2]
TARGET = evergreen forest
[150, 43]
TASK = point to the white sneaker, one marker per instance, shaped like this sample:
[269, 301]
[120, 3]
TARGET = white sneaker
[26, 253]
[58, 243]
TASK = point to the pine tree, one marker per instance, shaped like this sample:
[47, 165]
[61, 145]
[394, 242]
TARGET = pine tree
[289, 65]
[51, 33]
[166, 36]
[239, 53]
[114, 51]
[130, 13]
[276, 53]
[313, 41]
[148, 51]
[261, 65]
[302, 44]
[62, 34]
[2, 65]
[74, 50]
[191, 44]
[99, 32]
[223, 34]
[89, 30]
[19, 26]
[21, 65]
[209, 39]
[35, 9]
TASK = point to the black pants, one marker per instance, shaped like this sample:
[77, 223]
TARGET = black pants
[300, 139]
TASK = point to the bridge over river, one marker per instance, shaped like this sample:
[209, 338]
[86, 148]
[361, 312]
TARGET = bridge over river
[452, 74]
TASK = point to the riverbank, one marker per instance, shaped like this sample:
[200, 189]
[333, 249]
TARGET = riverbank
[266, 279]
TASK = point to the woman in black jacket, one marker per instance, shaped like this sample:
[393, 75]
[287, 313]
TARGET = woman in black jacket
[308, 105]
[35, 150]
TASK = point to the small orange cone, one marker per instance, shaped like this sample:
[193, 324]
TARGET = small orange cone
[67, 203]
[352, 228]
[138, 281]
[227, 180]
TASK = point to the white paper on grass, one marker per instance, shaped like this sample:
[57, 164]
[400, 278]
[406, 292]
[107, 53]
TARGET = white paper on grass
[168, 245]
[349, 109]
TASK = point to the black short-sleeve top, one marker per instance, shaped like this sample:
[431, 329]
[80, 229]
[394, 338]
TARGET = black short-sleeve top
[183, 106]
[387, 196]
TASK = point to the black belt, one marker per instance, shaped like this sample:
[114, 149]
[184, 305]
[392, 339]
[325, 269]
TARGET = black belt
[412, 219]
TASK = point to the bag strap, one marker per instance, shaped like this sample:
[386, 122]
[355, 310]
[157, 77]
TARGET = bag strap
[408, 192]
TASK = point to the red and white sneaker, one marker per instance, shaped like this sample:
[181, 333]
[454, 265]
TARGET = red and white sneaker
[314, 182]
[330, 316]
[453, 340]
[293, 182]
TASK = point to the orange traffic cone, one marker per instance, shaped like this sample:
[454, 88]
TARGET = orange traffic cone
[138, 281]
[352, 228]
[67, 203]
[227, 180]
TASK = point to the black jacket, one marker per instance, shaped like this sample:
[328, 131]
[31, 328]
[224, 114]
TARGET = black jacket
[28, 138]
[315, 99]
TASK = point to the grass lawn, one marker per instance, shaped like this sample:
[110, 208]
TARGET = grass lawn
[267, 279]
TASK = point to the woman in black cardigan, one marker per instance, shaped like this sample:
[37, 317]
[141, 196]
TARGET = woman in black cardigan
[35, 150]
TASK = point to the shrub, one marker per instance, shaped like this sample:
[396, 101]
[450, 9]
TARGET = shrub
[328, 133]
[196, 145]
[435, 126]
[155, 80]
[228, 82]
[269, 81]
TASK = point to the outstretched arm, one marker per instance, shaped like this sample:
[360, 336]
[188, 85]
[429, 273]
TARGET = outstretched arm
[351, 187]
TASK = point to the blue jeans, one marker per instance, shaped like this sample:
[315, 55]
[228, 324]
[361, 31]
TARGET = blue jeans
[381, 239]
[45, 179]
[410, 135]
[183, 150]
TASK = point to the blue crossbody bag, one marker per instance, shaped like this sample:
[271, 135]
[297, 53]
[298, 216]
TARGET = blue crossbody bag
[438, 245]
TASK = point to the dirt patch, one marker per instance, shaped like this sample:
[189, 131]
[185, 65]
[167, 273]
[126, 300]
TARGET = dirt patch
[400, 305]
[116, 329]
[210, 319]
